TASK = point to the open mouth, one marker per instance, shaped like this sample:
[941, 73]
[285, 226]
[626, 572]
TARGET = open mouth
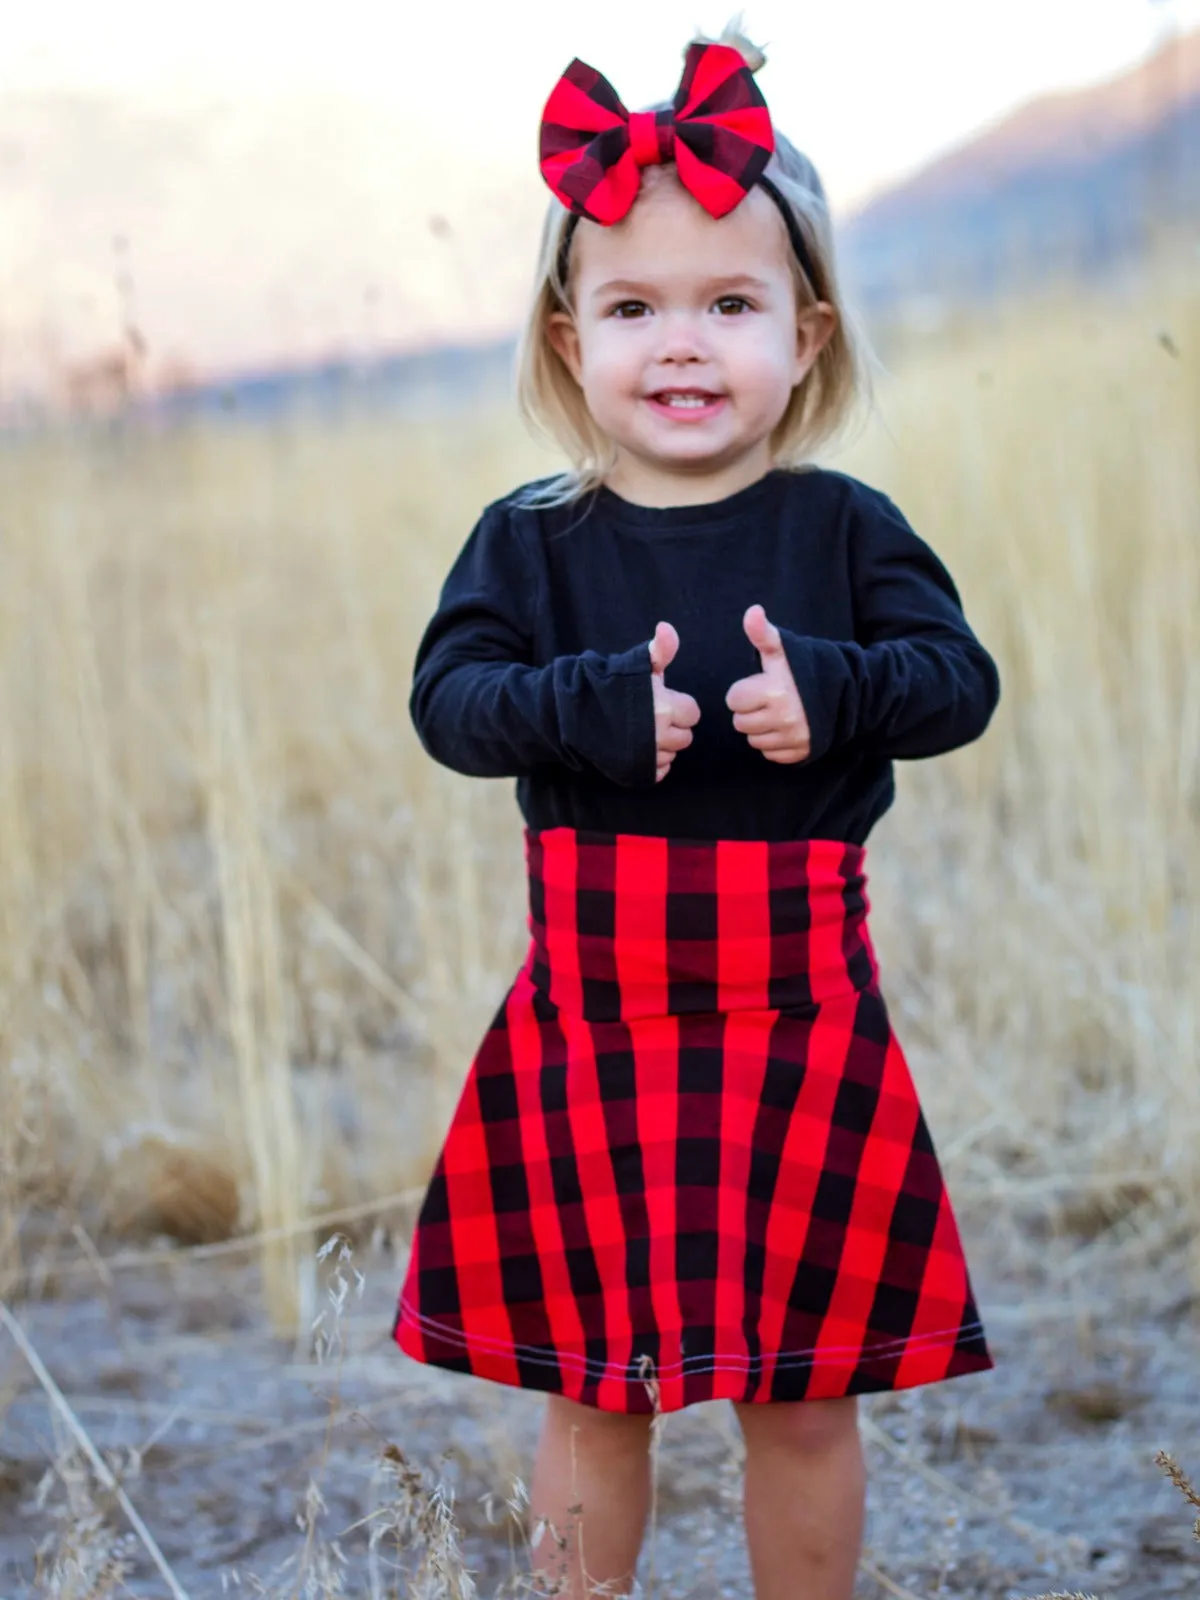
[690, 403]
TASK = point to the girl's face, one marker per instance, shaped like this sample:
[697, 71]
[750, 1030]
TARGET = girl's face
[686, 341]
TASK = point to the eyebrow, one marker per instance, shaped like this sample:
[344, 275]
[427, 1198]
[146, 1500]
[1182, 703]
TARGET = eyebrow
[713, 285]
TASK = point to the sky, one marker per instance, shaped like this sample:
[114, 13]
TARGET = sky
[354, 175]
[870, 87]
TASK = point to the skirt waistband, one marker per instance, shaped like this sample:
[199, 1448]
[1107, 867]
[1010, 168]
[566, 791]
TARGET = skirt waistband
[629, 925]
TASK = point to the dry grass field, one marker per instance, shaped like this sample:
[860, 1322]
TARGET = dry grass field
[249, 934]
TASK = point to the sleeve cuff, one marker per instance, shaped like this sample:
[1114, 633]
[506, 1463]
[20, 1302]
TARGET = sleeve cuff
[819, 669]
[634, 668]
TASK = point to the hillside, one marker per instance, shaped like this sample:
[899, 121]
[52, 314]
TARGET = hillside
[300, 238]
[240, 234]
[1074, 184]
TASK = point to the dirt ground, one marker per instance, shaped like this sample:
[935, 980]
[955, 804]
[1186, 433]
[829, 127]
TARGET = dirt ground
[1037, 1477]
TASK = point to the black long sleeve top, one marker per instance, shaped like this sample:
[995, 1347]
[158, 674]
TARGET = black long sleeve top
[536, 664]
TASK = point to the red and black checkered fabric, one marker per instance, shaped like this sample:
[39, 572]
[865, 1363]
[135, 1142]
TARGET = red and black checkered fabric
[718, 134]
[690, 1147]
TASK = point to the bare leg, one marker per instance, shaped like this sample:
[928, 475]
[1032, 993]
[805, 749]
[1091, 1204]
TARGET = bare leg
[805, 1489]
[600, 1462]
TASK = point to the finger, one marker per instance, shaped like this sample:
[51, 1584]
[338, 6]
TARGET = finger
[664, 766]
[663, 647]
[763, 635]
[685, 713]
[774, 739]
[764, 721]
[673, 738]
[785, 751]
[749, 694]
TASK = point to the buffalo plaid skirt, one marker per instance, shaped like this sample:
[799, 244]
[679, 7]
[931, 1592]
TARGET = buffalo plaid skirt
[688, 1162]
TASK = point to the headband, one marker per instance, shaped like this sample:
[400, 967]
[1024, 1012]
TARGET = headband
[717, 132]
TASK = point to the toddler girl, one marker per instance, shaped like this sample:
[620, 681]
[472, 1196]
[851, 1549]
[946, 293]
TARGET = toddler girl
[688, 1162]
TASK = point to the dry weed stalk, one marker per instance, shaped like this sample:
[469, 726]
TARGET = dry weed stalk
[1182, 1482]
[320, 1564]
[418, 1520]
[1058, 1594]
[345, 1280]
[83, 1442]
[255, 983]
[528, 1584]
[317, 1571]
[658, 1422]
[887, 1583]
[83, 1557]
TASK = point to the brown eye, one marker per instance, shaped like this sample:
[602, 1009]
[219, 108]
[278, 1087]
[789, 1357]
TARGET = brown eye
[732, 305]
[629, 309]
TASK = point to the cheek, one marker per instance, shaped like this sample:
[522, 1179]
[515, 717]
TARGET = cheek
[767, 361]
[611, 362]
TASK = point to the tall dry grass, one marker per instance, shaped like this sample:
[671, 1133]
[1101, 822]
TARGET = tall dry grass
[249, 934]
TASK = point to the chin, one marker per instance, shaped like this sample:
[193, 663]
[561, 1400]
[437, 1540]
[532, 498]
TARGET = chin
[693, 447]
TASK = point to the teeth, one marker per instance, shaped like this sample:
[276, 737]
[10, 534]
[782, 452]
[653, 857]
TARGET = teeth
[686, 400]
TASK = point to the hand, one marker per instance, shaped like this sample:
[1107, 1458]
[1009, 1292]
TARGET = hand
[767, 707]
[675, 714]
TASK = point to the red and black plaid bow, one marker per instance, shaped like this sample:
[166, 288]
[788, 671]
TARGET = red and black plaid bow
[718, 135]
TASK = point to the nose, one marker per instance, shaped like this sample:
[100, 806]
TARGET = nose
[681, 339]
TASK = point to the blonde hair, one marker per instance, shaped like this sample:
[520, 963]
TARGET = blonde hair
[821, 405]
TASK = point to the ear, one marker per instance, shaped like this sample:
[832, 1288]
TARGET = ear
[815, 326]
[564, 340]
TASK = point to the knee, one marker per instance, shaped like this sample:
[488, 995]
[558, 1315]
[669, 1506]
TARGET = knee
[589, 1427]
[802, 1427]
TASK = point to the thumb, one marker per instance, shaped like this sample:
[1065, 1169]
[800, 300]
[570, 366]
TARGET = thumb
[763, 635]
[663, 647]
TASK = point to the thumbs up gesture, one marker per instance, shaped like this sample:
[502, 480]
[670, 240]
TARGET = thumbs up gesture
[675, 714]
[767, 707]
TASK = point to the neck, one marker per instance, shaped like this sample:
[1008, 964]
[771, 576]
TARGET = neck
[649, 483]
